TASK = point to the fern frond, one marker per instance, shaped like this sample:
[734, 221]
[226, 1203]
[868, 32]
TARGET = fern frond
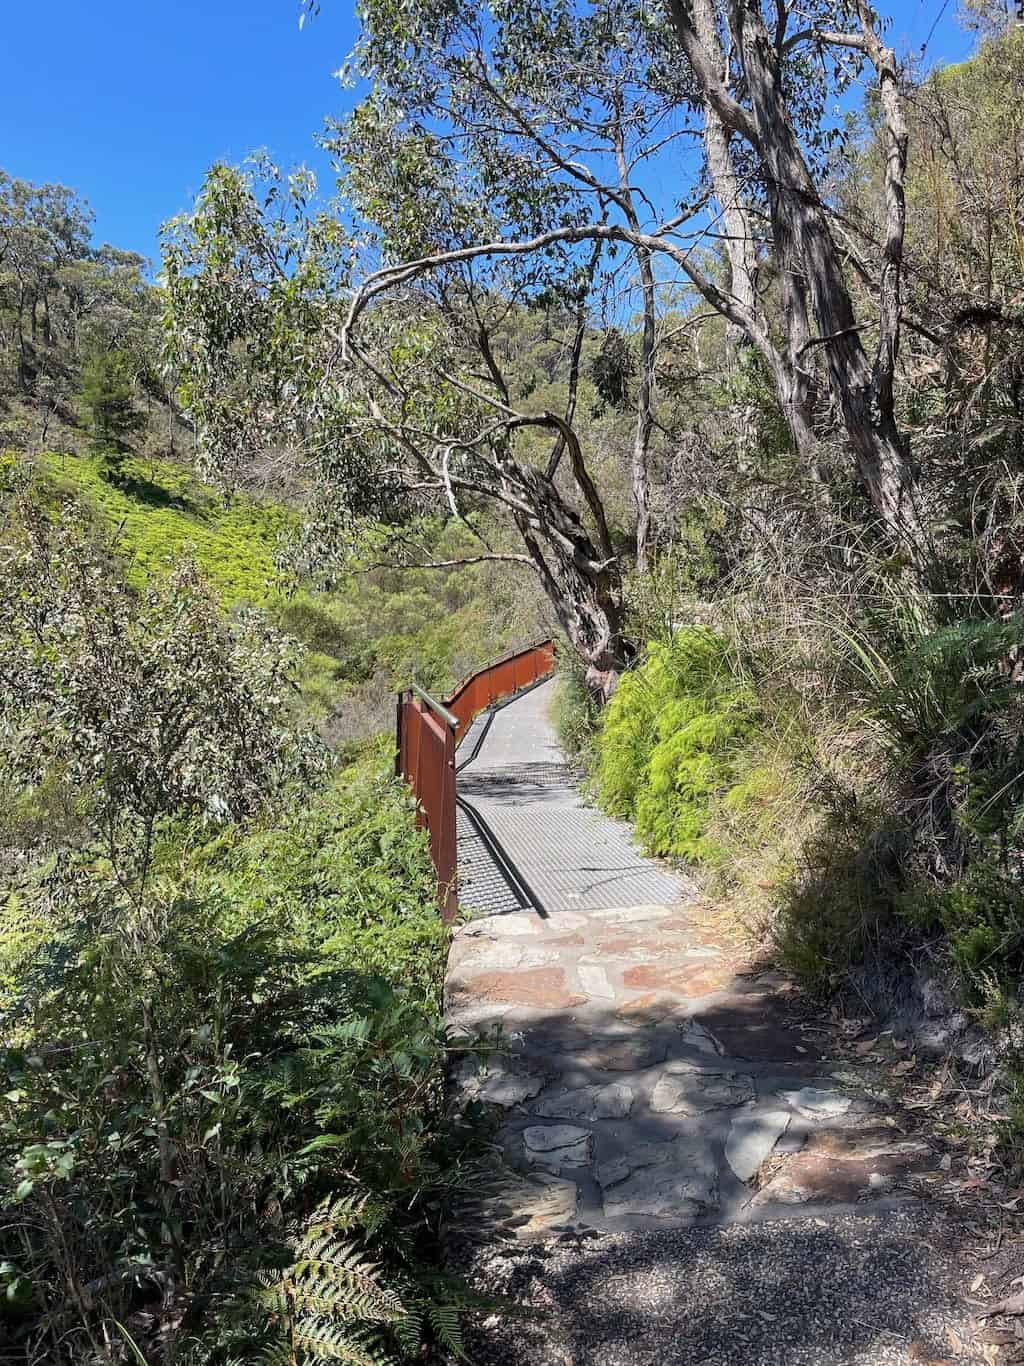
[446, 1322]
[328, 1342]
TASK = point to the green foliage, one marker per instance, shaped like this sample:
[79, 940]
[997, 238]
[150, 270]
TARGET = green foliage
[668, 742]
[285, 1075]
[982, 916]
[332, 1303]
[897, 804]
[666, 592]
[947, 712]
[364, 638]
[148, 705]
[162, 513]
[576, 712]
[343, 876]
[221, 984]
[107, 394]
[612, 368]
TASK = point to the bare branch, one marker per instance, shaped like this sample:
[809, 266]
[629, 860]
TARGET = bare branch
[389, 277]
[452, 564]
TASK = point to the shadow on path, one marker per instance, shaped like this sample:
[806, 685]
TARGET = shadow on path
[687, 1169]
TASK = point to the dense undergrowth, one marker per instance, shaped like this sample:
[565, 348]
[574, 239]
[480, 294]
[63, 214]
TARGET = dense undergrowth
[223, 1130]
[162, 512]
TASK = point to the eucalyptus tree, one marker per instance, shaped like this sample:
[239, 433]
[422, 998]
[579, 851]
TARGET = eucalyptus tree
[43, 229]
[756, 78]
[506, 157]
[461, 139]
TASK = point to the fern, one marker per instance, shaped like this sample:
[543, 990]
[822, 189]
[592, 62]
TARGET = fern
[331, 1303]
[320, 1342]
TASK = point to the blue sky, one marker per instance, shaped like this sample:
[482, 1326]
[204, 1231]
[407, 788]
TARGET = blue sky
[129, 101]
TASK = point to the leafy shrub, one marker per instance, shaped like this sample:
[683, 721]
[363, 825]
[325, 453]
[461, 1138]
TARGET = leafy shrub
[339, 873]
[108, 396]
[668, 742]
[285, 1076]
[949, 715]
[761, 824]
[836, 916]
[576, 713]
[221, 986]
[913, 843]
[982, 915]
[670, 588]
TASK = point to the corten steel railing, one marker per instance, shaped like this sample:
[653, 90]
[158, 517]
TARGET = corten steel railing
[501, 679]
[428, 732]
[426, 760]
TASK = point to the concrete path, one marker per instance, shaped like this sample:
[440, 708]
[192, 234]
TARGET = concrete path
[650, 1081]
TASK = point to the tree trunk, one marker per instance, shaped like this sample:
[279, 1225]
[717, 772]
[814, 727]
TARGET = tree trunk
[644, 418]
[644, 428]
[583, 586]
[813, 283]
[801, 230]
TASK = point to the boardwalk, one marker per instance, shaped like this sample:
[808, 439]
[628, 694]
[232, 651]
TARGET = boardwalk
[665, 1108]
[569, 856]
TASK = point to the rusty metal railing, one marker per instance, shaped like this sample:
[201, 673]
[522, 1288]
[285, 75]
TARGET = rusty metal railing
[501, 679]
[426, 760]
[427, 734]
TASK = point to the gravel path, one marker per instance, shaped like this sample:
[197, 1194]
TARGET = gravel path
[857, 1290]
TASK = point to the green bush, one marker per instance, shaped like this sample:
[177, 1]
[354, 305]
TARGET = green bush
[108, 395]
[340, 873]
[294, 993]
[947, 713]
[221, 977]
[982, 915]
[576, 713]
[668, 743]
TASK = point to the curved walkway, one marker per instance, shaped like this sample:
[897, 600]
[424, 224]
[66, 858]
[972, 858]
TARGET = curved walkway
[568, 856]
[690, 1169]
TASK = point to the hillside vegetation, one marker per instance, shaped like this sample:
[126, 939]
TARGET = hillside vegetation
[746, 422]
[220, 954]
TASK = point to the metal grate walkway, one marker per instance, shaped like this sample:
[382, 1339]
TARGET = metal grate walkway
[565, 855]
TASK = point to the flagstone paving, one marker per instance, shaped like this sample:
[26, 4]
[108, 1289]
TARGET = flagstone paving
[646, 1074]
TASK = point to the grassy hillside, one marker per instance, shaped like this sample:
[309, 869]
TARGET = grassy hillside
[163, 513]
[372, 634]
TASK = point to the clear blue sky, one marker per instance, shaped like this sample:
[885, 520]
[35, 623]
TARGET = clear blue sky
[129, 101]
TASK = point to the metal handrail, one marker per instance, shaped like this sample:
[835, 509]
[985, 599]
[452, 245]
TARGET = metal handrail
[425, 752]
[469, 679]
[434, 705]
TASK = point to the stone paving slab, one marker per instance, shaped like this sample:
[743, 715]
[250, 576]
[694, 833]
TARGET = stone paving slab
[674, 1114]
